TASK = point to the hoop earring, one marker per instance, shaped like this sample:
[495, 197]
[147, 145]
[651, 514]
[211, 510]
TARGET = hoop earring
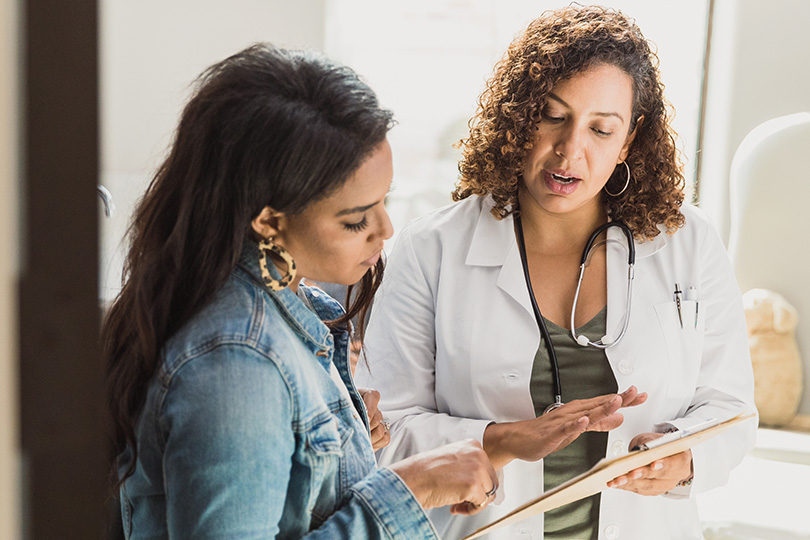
[266, 247]
[627, 183]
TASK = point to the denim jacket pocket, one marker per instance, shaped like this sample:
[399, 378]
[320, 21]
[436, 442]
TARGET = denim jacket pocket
[324, 443]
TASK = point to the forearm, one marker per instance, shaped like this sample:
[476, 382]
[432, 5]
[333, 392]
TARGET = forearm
[414, 432]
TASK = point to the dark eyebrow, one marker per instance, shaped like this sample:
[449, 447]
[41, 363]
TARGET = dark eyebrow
[555, 97]
[356, 209]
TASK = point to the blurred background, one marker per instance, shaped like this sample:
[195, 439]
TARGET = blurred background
[92, 92]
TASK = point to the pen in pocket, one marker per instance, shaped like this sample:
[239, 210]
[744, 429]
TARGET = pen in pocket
[691, 294]
[678, 303]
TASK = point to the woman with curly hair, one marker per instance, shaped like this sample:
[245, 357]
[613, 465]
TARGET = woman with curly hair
[485, 326]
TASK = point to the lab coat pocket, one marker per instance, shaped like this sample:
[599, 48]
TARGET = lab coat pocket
[684, 344]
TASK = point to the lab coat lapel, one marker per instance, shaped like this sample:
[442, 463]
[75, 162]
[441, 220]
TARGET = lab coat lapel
[494, 244]
[511, 279]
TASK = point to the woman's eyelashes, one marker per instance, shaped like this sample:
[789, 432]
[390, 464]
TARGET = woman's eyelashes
[358, 226]
[553, 118]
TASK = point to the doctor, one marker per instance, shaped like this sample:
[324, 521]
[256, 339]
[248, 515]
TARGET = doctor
[572, 134]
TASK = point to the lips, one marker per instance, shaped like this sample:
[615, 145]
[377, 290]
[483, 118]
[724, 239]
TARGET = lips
[561, 182]
[371, 261]
[563, 179]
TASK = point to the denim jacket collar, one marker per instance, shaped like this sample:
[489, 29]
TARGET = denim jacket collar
[306, 323]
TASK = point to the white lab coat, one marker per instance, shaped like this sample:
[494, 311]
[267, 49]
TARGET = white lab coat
[452, 339]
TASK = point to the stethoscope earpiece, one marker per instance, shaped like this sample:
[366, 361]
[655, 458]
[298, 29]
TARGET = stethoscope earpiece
[583, 340]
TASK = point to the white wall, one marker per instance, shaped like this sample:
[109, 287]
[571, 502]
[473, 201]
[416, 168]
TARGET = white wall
[150, 53]
[9, 226]
[759, 70]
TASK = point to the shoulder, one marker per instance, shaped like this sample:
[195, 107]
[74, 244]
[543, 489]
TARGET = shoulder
[455, 216]
[451, 221]
[698, 227]
[239, 325]
[696, 244]
[696, 216]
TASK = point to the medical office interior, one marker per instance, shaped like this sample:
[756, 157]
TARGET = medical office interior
[737, 72]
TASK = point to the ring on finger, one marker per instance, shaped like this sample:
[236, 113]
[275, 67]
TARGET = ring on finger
[493, 491]
[386, 425]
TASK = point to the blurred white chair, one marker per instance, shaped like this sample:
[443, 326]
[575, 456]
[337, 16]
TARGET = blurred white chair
[770, 218]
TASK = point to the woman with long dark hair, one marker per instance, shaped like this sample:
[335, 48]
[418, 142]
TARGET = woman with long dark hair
[234, 411]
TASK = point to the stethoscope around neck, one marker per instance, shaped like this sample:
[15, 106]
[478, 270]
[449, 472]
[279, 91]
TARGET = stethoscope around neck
[605, 342]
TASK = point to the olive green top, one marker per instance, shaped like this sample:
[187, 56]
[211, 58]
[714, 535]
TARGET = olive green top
[584, 373]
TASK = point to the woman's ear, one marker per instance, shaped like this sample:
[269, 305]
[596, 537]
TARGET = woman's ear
[268, 223]
[630, 138]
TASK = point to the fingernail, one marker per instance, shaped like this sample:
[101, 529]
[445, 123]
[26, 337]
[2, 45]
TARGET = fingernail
[657, 466]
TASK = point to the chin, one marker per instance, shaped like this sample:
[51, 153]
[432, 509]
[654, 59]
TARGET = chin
[343, 280]
[346, 278]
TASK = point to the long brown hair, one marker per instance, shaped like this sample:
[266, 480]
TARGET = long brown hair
[554, 47]
[265, 127]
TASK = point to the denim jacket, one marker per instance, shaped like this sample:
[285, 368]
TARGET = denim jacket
[244, 433]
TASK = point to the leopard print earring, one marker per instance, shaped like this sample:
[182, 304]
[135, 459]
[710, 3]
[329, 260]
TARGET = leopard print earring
[266, 247]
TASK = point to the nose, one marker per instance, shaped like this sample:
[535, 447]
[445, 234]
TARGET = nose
[386, 228]
[570, 144]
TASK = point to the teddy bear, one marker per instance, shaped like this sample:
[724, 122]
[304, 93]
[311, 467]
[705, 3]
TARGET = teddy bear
[771, 324]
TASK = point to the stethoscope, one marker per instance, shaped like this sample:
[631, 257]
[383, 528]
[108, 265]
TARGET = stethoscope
[605, 342]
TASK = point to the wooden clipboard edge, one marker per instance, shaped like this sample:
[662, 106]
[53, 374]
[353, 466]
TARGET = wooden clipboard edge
[628, 462]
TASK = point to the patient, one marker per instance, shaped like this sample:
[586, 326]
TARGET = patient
[235, 413]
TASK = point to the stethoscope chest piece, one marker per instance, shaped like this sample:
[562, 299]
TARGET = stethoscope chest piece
[553, 406]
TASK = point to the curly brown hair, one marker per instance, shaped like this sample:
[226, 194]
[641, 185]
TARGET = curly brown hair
[556, 46]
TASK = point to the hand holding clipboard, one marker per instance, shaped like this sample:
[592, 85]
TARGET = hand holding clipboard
[595, 479]
[664, 474]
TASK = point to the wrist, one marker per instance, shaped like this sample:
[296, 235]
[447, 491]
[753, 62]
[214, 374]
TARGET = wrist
[415, 481]
[688, 480]
[496, 443]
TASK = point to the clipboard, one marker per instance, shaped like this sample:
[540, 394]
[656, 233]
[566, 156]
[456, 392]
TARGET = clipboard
[596, 479]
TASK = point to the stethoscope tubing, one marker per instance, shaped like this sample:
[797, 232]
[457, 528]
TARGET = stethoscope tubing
[552, 355]
[557, 386]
